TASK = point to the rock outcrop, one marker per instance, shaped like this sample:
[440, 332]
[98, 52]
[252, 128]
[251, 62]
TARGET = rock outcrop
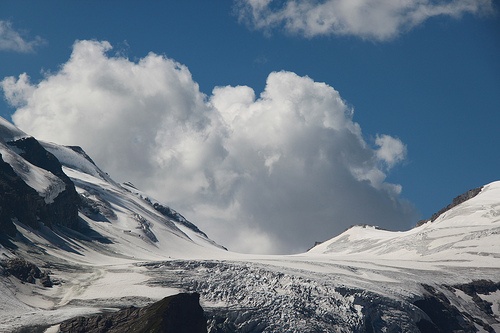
[26, 271]
[179, 313]
[64, 210]
[21, 202]
[456, 201]
[17, 200]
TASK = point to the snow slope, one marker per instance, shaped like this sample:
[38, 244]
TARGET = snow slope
[9, 132]
[126, 216]
[465, 235]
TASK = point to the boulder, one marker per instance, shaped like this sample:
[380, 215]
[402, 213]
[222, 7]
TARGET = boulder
[179, 313]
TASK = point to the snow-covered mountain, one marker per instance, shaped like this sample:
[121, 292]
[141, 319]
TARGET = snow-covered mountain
[74, 242]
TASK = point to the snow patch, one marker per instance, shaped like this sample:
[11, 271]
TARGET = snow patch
[74, 160]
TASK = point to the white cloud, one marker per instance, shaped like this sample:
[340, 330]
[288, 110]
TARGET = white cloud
[391, 150]
[12, 40]
[368, 19]
[17, 91]
[279, 171]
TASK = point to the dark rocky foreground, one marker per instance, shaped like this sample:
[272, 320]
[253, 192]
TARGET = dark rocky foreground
[174, 314]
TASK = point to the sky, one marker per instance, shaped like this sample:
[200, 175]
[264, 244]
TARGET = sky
[269, 124]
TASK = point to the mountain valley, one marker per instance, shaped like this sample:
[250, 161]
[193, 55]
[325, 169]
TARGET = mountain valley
[76, 243]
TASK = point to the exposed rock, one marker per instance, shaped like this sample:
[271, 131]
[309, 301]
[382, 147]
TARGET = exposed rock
[172, 214]
[316, 243]
[443, 317]
[20, 202]
[145, 226]
[483, 287]
[79, 150]
[26, 271]
[64, 210]
[96, 209]
[456, 201]
[17, 201]
[174, 314]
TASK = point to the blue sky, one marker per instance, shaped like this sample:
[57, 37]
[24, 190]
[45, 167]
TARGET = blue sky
[432, 84]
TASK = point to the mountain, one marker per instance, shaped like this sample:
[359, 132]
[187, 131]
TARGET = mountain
[76, 243]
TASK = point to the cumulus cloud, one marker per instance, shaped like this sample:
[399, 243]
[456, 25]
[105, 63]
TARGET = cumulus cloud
[368, 19]
[17, 91]
[268, 173]
[12, 40]
[391, 150]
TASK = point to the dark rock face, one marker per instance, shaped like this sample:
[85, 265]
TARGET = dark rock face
[443, 317]
[170, 213]
[20, 201]
[64, 210]
[26, 271]
[97, 210]
[456, 201]
[480, 287]
[180, 313]
[17, 200]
